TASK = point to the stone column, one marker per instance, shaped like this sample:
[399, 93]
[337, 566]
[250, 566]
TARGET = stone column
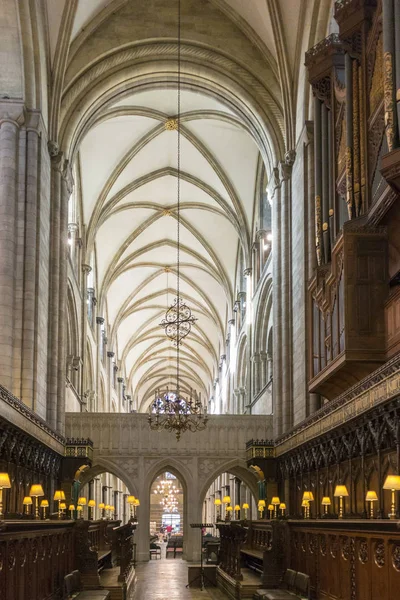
[120, 382]
[86, 269]
[72, 240]
[286, 292]
[99, 334]
[238, 483]
[110, 374]
[242, 400]
[66, 190]
[264, 369]
[256, 359]
[54, 288]
[274, 193]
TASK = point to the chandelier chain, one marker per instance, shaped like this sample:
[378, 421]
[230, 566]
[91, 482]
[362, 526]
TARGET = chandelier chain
[178, 193]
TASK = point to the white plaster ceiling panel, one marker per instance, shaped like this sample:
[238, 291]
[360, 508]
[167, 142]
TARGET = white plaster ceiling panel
[102, 149]
[161, 152]
[163, 191]
[85, 12]
[237, 154]
[219, 234]
[166, 101]
[116, 230]
[124, 286]
[256, 13]
[135, 325]
[55, 9]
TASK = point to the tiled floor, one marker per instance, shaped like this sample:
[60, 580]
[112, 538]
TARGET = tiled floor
[166, 579]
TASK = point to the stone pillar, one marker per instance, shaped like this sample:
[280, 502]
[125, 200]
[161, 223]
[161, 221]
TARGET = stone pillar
[274, 193]
[66, 190]
[238, 483]
[99, 334]
[256, 359]
[264, 369]
[242, 400]
[286, 292]
[9, 130]
[86, 269]
[54, 297]
[72, 240]
[110, 375]
[120, 382]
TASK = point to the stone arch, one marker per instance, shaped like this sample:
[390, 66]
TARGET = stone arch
[107, 466]
[237, 467]
[72, 337]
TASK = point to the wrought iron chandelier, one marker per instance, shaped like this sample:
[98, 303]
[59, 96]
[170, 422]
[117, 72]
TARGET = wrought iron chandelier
[170, 410]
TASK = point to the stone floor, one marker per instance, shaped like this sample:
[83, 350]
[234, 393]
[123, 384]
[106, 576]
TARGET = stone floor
[166, 579]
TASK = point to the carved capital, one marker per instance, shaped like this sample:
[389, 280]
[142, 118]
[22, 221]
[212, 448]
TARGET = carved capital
[86, 269]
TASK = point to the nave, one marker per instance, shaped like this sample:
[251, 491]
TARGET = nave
[166, 579]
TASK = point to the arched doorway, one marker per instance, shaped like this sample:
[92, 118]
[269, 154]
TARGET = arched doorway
[232, 486]
[167, 504]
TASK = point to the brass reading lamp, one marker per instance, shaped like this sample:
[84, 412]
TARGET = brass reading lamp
[371, 497]
[326, 502]
[82, 501]
[101, 508]
[245, 508]
[392, 482]
[261, 507]
[5, 484]
[237, 510]
[306, 505]
[282, 508]
[71, 509]
[59, 497]
[341, 492]
[92, 506]
[270, 510]
[276, 502]
[308, 497]
[44, 504]
[27, 502]
[217, 504]
[36, 492]
[228, 511]
[131, 501]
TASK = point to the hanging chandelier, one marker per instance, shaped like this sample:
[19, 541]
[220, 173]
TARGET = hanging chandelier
[170, 410]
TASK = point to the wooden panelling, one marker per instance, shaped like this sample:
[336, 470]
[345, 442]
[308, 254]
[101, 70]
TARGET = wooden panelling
[347, 562]
[392, 318]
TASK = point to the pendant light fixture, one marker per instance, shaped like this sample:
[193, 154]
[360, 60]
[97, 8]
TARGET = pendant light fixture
[170, 410]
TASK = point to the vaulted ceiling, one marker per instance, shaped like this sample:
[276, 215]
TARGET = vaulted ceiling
[126, 158]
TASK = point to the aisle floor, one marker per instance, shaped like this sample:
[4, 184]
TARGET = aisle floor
[166, 579]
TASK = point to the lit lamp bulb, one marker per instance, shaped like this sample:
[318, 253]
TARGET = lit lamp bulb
[92, 506]
[217, 504]
[276, 502]
[392, 482]
[237, 510]
[59, 496]
[36, 492]
[245, 508]
[341, 492]
[261, 507]
[326, 502]
[371, 497]
[308, 497]
[5, 484]
[131, 500]
[44, 504]
[27, 502]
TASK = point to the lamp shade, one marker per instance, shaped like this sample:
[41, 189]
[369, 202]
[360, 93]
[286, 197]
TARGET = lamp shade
[308, 496]
[341, 491]
[137, 502]
[36, 490]
[226, 500]
[326, 501]
[71, 507]
[237, 507]
[275, 500]
[58, 495]
[130, 499]
[245, 506]
[392, 482]
[371, 496]
[282, 506]
[63, 506]
[229, 509]
[305, 503]
[5, 480]
[102, 505]
[79, 508]
[91, 503]
[270, 507]
[217, 502]
[27, 501]
[82, 501]
[44, 504]
[261, 503]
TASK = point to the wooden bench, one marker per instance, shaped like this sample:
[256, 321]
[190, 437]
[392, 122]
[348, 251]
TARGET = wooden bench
[73, 589]
[294, 585]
